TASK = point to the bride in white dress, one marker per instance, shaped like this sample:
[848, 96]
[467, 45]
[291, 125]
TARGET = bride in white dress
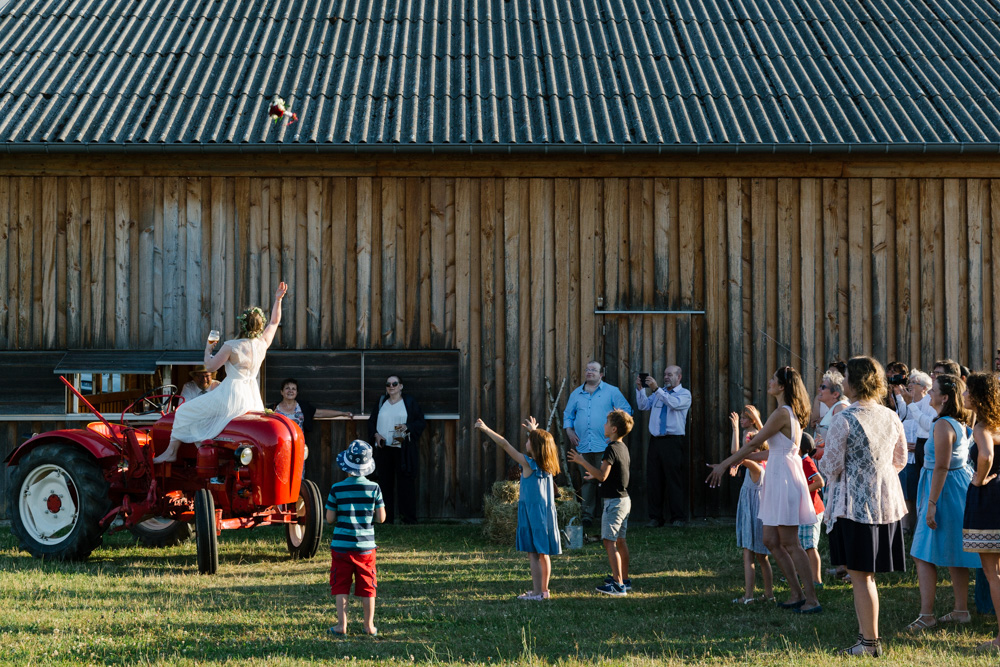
[206, 416]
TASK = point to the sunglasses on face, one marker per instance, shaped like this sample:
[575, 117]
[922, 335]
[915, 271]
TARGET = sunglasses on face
[823, 386]
[391, 384]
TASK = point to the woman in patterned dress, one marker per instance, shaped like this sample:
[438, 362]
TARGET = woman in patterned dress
[300, 411]
[981, 531]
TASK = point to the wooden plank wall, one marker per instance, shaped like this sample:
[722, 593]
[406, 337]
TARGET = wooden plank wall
[509, 271]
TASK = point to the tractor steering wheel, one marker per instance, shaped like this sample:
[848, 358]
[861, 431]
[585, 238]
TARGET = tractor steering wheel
[158, 399]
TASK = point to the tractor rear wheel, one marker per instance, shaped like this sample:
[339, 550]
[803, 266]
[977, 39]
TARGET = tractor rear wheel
[57, 498]
[161, 532]
[303, 537]
[206, 539]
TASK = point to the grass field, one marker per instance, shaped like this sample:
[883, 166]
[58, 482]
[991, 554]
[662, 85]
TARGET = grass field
[445, 597]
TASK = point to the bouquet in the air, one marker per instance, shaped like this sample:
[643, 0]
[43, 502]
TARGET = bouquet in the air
[280, 111]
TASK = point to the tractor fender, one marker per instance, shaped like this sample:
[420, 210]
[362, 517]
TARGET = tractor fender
[97, 445]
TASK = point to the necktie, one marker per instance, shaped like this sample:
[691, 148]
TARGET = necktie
[663, 418]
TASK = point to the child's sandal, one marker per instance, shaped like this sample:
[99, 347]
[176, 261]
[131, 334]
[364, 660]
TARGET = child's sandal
[869, 647]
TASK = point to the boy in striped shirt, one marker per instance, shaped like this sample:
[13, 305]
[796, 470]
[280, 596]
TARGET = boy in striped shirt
[353, 505]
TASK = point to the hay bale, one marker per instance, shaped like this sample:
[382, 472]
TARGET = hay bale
[506, 492]
[500, 511]
[567, 507]
[500, 522]
[564, 493]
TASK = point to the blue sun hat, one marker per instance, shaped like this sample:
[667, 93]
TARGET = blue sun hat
[357, 459]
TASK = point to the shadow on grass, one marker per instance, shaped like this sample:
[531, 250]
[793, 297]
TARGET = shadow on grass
[444, 594]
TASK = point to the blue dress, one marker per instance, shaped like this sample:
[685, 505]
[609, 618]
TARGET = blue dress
[537, 526]
[749, 528]
[943, 545]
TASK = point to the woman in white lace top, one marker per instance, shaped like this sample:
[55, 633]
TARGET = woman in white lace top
[865, 450]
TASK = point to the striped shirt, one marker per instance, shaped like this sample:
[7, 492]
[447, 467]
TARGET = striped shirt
[355, 500]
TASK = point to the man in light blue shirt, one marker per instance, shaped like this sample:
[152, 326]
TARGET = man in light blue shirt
[666, 460]
[586, 413]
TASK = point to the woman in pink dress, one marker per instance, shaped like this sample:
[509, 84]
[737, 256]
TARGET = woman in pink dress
[785, 503]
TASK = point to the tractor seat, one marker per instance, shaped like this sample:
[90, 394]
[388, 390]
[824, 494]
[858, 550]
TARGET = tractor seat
[117, 430]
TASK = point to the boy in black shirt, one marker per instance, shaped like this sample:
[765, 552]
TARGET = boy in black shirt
[613, 476]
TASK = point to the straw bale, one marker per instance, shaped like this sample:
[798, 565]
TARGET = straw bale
[500, 511]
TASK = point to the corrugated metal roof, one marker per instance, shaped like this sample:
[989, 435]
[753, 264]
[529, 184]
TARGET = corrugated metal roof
[501, 73]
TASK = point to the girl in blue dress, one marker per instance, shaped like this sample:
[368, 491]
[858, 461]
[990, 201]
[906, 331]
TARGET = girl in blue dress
[537, 527]
[749, 527]
[941, 491]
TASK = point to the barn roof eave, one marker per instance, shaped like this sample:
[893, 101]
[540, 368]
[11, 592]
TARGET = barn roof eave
[896, 149]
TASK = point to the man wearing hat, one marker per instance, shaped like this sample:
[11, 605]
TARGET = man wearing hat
[354, 506]
[202, 381]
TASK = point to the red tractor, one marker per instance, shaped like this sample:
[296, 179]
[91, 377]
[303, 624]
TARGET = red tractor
[68, 487]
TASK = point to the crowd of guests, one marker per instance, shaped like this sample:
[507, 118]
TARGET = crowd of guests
[896, 450]
[874, 448]
[876, 453]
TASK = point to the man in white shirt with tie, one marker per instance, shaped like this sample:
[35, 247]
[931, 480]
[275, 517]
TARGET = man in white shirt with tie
[667, 459]
[202, 382]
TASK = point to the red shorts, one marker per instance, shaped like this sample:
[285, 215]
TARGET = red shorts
[360, 567]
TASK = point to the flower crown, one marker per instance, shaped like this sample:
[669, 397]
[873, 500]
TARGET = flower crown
[243, 319]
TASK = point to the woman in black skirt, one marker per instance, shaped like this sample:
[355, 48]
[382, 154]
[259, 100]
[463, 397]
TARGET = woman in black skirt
[865, 450]
[981, 528]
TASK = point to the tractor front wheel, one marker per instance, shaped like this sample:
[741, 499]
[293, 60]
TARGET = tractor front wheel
[206, 538]
[57, 498]
[303, 537]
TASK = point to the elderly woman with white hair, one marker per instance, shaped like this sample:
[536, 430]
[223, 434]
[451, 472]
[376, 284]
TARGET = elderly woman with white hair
[914, 407]
[831, 395]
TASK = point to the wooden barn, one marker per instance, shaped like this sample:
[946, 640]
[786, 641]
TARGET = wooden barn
[483, 196]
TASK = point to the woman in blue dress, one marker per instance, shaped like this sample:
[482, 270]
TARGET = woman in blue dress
[537, 526]
[944, 482]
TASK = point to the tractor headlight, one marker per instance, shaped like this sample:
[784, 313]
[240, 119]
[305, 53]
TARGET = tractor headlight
[305, 452]
[245, 455]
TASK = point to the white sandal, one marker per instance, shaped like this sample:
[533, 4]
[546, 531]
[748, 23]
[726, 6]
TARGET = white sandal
[956, 616]
[920, 624]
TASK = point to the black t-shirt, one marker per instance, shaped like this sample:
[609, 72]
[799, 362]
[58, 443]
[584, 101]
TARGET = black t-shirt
[616, 485]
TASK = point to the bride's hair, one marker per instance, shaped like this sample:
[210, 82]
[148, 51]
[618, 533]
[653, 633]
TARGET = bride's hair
[252, 322]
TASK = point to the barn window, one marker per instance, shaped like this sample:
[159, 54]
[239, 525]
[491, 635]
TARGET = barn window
[109, 379]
